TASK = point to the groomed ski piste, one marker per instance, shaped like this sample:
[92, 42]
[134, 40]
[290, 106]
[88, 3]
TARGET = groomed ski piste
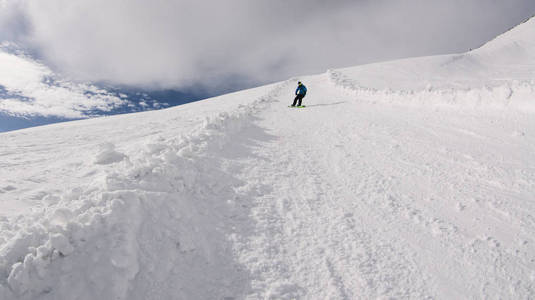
[405, 179]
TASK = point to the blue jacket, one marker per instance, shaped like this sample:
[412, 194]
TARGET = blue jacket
[301, 89]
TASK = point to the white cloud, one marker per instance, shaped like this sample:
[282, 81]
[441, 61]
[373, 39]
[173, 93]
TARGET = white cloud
[30, 88]
[179, 43]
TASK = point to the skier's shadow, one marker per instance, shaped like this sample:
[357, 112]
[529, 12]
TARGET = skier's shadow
[326, 104]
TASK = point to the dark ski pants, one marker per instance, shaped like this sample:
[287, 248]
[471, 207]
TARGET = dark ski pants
[298, 98]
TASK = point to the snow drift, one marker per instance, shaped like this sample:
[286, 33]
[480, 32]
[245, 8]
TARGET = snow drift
[161, 205]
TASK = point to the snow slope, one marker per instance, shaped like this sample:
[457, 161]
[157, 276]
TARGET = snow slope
[500, 74]
[406, 179]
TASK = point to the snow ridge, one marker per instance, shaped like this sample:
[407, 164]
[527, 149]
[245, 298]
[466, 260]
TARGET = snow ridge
[512, 94]
[154, 217]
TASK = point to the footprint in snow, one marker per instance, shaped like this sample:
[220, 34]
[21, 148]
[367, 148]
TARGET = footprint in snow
[286, 291]
[7, 188]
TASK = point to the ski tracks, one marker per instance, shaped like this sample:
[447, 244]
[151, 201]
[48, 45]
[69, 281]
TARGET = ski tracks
[376, 201]
[316, 238]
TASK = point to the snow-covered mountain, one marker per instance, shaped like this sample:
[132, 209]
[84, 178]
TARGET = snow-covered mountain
[500, 73]
[404, 179]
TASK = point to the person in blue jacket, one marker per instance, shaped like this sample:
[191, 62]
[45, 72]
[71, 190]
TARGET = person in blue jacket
[300, 93]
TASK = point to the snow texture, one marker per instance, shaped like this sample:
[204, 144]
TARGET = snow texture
[406, 179]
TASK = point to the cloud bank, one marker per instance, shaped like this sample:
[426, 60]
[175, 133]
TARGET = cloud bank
[28, 88]
[216, 44]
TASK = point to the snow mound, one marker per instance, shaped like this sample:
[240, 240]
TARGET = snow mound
[108, 155]
[509, 94]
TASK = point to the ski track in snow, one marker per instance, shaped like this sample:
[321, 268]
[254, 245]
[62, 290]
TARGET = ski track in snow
[363, 194]
[383, 207]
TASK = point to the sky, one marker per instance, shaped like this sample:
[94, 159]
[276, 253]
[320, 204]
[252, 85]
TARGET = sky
[218, 46]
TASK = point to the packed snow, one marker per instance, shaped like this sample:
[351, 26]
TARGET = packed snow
[404, 179]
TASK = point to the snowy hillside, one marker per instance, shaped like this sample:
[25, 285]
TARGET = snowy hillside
[404, 179]
[499, 74]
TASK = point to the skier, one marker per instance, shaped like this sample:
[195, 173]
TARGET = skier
[300, 93]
